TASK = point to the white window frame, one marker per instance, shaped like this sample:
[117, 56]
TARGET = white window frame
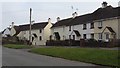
[100, 24]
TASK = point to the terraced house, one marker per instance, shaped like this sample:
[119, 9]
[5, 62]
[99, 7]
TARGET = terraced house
[102, 24]
[40, 32]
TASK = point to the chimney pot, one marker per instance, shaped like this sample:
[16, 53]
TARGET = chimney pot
[58, 19]
[104, 4]
[49, 20]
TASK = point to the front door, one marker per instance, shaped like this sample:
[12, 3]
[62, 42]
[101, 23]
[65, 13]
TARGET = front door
[107, 37]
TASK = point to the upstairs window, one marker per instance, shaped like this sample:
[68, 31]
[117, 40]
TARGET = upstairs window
[91, 25]
[69, 28]
[40, 31]
[84, 26]
[100, 25]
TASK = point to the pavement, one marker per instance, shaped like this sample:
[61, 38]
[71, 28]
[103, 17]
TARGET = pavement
[16, 57]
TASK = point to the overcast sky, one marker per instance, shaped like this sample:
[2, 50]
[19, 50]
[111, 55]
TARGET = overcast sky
[18, 12]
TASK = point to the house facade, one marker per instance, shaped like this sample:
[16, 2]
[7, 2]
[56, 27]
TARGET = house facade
[40, 32]
[102, 24]
[6, 32]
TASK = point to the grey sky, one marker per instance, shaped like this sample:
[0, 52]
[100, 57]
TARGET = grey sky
[19, 11]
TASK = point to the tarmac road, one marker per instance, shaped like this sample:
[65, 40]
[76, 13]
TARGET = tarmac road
[16, 57]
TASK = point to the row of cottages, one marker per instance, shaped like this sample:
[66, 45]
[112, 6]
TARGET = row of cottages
[40, 32]
[102, 24]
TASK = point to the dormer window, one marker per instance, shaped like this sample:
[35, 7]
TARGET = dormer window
[84, 26]
[91, 25]
[100, 24]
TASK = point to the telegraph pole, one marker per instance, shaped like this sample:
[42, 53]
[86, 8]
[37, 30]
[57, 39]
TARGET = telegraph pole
[30, 27]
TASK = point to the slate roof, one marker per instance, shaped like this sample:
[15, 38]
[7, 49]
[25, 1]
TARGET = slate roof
[62, 22]
[77, 33]
[100, 13]
[34, 26]
[5, 29]
[110, 29]
[17, 28]
[27, 27]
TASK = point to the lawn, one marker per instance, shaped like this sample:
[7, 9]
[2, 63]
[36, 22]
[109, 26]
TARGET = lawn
[89, 55]
[16, 46]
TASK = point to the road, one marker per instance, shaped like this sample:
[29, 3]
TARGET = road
[16, 57]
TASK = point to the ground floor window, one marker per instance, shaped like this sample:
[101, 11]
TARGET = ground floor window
[40, 38]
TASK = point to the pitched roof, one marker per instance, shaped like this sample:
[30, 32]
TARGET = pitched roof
[77, 33]
[110, 29]
[62, 22]
[27, 27]
[34, 26]
[100, 13]
[17, 28]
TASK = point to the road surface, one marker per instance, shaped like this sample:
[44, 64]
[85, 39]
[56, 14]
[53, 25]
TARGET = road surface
[16, 57]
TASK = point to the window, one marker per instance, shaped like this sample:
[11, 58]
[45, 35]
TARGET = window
[84, 26]
[84, 36]
[69, 28]
[92, 25]
[73, 37]
[92, 36]
[69, 36]
[100, 36]
[40, 38]
[100, 25]
[40, 31]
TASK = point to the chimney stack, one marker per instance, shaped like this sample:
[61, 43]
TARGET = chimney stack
[58, 19]
[74, 14]
[49, 20]
[104, 4]
[12, 24]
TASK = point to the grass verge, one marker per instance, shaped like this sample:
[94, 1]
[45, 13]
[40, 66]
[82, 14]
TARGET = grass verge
[89, 55]
[16, 46]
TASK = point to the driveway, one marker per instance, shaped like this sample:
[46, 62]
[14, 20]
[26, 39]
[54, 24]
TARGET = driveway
[15, 57]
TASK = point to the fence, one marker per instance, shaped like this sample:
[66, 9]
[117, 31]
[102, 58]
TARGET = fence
[84, 43]
[63, 43]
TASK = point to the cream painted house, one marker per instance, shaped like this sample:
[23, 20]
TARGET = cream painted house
[40, 32]
[102, 24]
[6, 32]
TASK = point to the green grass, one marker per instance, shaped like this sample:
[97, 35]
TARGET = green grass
[90, 55]
[16, 46]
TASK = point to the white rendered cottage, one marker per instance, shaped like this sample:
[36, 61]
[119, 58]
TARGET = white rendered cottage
[102, 24]
[40, 32]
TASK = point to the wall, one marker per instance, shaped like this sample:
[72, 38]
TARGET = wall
[13, 31]
[7, 31]
[87, 31]
[113, 23]
[47, 32]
